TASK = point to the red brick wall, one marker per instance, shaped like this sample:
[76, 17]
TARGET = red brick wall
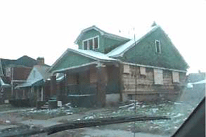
[21, 73]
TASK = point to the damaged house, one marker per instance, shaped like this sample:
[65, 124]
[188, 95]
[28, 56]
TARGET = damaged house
[12, 73]
[36, 87]
[108, 68]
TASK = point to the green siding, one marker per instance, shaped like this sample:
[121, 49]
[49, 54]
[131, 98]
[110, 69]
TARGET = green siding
[105, 44]
[145, 52]
[110, 44]
[71, 60]
[90, 34]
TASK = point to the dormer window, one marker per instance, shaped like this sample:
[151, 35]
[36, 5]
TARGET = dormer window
[158, 46]
[91, 43]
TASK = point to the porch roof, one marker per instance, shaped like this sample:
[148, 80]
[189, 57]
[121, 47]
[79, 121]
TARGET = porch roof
[77, 58]
[79, 68]
[30, 84]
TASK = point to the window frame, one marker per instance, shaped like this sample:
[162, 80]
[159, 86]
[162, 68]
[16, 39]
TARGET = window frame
[93, 41]
[159, 47]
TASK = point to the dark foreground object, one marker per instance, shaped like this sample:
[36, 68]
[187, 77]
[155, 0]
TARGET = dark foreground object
[79, 124]
[20, 102]
[194, 126]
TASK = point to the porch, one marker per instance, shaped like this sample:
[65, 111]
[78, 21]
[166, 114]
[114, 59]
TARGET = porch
[88, 85]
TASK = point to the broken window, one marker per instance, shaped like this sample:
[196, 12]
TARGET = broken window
[158, 46]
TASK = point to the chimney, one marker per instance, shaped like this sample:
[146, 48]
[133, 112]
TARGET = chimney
[40, 61]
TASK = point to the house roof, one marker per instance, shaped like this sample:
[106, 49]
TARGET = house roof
[128, 45]
[162, 61]
[92, 54]
[200, 82]
[44, 75]
[106, 34]
[86, 53]
[43, 70]
[24, 61]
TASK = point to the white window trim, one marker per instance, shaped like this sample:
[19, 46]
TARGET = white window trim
[92, 41]
[160, 51]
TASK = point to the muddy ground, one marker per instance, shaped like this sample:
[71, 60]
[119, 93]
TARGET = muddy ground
[29, 118]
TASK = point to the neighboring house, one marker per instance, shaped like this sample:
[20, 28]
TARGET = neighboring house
[13, 72]
[196, 77]
[36, 85]
[196, 88]
[110, 68]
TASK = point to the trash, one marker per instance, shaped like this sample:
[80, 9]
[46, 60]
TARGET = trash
[8, 122]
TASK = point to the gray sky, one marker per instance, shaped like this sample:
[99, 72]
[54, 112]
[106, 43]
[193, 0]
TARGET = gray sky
[46, 28]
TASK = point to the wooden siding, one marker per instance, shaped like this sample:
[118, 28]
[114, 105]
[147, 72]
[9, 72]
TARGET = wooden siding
[145, 52]
[71, 60]
[146, 87]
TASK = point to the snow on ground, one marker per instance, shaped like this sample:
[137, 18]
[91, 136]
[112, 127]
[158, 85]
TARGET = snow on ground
[177, 111]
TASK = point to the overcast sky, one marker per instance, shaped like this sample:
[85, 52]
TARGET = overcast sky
[46, 28]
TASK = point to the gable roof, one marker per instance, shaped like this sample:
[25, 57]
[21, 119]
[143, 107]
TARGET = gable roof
[106, 34]
[24, 61]
[43, 70]
[120, 50]
[98, 56]
[92, 54]
[43, 76]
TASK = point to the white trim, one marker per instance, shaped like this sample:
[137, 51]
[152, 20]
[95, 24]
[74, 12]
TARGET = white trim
[88, 46]
[90, 56]
[160, 51]
[80, 53]
[101, 32]
[154, 67]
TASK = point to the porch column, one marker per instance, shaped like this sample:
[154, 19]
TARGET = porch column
[101, 85]
[42, 93]
[53, 85]
[120, 82]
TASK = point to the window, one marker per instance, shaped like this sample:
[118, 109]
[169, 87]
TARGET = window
[85, 44]
[92, 43]
[96, 43]
[158, 46]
